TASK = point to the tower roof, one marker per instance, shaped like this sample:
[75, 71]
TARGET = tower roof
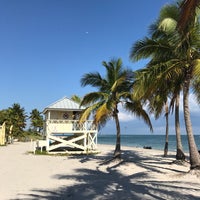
[64, 104]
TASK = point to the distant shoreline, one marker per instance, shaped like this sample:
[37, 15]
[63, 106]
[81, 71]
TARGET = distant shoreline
[155, 141]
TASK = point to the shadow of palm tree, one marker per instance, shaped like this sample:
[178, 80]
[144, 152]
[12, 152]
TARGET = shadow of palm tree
[112, 184]
[131, 156]
[92, 184]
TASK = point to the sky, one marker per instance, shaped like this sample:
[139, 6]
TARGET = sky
[46, 46]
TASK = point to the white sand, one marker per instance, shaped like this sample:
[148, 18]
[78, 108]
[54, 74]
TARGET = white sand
[144, 174]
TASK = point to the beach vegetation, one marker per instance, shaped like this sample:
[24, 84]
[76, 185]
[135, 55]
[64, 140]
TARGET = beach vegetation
[16, 120]
[46, 153]
[112, 89]
[39, 152]
[36, 120]
[29, 135]
[16, 117]
[157, 48]
[174, 60]
[76, 98]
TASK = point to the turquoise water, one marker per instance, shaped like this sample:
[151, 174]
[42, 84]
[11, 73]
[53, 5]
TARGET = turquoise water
[155, 141]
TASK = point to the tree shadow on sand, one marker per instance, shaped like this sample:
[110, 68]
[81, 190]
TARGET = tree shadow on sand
[106, 182]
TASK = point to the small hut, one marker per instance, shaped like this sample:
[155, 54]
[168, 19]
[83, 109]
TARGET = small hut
[64, 133]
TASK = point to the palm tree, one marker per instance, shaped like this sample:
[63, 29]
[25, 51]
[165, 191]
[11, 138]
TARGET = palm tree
[113, 89]
[76, 98]
[36, 120]
[17, 118]
[156, 98]
[149, 88]
[181, 59]
[179, 153]
[3, 116]
[190, 43]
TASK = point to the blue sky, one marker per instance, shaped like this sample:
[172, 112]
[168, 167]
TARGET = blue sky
[47, 45]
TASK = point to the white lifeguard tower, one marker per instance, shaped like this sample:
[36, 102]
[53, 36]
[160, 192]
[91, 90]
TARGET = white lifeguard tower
[64, 133]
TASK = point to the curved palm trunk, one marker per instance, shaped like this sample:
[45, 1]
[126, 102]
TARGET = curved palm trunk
[167, 130]
[187, 14]
[117, 153]
[194, 154]
[179, 148]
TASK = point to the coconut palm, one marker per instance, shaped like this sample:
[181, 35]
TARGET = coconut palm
[36, 120]
[156, 98]
[156, 94]
[191, 70]
[112, 89]
[182, 63]
[179, 147]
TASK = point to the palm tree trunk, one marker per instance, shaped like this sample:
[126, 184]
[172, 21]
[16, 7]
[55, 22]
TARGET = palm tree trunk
[179, 147]
[117, 153]
[167, 130]
[194, 154]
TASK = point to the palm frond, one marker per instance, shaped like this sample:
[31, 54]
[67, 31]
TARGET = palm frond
[149, 48]
[93, 97]
[102, 114]
[92, 79]
[196, 88]
[87, 112]
[168, 25]
[196, 64]
[76, 98]
[169, 11]
[136, 108]
[119, 82]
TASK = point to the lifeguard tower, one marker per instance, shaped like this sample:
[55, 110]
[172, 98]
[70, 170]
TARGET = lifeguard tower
[64, 133]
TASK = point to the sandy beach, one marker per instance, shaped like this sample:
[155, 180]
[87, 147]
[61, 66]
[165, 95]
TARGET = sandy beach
[142, 174]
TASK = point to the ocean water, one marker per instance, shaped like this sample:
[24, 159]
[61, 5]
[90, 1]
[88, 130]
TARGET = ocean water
[155, 141]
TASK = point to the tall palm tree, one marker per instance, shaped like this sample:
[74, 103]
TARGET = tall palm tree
[156, 94]
[190, 44]
[112, 89]
[182, 61]
[156, 97]
[179, 153]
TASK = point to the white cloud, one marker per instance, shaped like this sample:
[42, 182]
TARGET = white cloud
[125, 116]
[193, 105]
[131, 124]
